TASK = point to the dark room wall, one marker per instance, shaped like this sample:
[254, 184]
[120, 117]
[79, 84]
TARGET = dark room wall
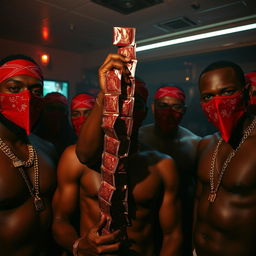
[64, 65]
[174, 71]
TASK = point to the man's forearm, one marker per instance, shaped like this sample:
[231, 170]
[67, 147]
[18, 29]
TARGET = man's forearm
[171, 244]
[64, 234]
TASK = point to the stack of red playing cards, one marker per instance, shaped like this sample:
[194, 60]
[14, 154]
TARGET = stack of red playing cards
[117, 124]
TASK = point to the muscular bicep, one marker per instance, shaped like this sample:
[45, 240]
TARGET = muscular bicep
[169, 214]
[66, 196]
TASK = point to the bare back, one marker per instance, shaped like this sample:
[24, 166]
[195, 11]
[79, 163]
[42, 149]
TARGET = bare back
[228, 225]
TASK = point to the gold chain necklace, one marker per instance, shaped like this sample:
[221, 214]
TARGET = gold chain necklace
[213, 190]
[32, 161]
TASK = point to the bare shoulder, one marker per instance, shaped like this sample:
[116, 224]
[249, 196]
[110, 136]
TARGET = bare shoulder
[146, 129]
[156, 161]
[69, 153]
[188, 135]
[206, 141]
[41, 143]
[151, 157]
[69, 165]
[44, 148]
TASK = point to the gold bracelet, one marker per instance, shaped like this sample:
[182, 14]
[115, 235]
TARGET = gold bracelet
[75, 246]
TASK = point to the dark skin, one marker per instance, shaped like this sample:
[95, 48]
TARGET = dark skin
[179, 143]
[76, 180]
[153, 184]
[80, 112]
[23, 231]
[227, 226]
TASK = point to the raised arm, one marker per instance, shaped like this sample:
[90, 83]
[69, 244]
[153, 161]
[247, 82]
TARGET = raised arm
[169, 214]
[90, 140]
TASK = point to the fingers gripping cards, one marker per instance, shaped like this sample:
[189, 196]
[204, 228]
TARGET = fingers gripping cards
[117, 125]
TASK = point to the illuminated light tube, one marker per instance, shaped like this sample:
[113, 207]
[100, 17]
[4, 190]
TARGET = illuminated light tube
[196, 37]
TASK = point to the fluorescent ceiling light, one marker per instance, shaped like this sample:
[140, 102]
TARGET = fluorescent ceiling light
[196, 37]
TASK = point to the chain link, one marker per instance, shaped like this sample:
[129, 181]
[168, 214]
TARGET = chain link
[16, 161]
[32, 161]
[213, 189]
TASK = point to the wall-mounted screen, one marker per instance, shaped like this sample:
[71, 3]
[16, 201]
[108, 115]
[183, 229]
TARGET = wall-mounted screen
[56, 86]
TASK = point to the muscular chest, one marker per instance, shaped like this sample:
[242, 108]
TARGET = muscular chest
[13, 188]
[239, 176]
[234, 204]
[143, 184]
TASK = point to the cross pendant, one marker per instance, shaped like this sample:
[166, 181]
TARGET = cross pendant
[211, 197]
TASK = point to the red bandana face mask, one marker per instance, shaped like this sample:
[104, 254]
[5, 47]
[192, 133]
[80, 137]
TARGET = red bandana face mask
[252, 101]
[224, 112]
[77, 123]
[23, 109]
[82, 100]
[167, 119]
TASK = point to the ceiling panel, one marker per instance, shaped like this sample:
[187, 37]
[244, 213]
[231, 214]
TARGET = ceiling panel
[64, 4]
[83, 26]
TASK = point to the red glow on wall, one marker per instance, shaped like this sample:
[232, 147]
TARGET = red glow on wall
[45, 32]
[45, 59]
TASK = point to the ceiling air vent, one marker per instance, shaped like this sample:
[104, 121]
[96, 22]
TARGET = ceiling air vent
[127, 6]
[176, 24]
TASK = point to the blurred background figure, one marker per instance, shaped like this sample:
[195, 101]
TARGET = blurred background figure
[167, 136]
[54, 124]
[250, 78]
[81, 106]
[66, 205]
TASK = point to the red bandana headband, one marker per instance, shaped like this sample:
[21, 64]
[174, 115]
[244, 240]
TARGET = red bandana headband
[20, 67]
[82, 101]
[170, 91]
[251, 77]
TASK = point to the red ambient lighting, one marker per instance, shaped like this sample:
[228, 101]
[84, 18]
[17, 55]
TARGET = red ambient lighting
[45, 59]
[45, 33]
